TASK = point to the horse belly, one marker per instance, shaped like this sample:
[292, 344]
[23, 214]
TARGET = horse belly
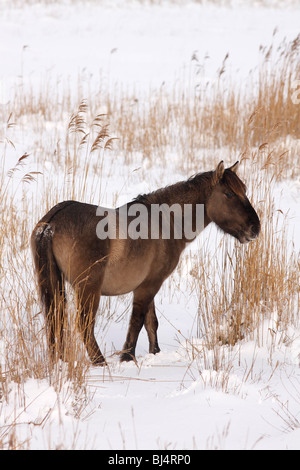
[123, 277]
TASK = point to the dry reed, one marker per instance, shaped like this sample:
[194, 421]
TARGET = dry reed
[239, 289]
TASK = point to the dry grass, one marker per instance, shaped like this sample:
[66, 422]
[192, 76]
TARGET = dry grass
[197, 122]
[238, 289]
[246, 284]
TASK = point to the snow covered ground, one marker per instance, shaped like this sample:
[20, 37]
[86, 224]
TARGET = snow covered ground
[135, 45]
[174, 400]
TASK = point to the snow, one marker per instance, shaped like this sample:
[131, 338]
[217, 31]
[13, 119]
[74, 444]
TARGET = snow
[174, 400]
[135, 45]
[168, 403]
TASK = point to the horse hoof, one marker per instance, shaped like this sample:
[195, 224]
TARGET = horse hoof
[155, 350]
[126, 357]
[100, 361]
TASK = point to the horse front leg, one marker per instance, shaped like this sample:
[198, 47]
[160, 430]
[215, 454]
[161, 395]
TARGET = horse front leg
[142, 313]
[136, 323]
[151, 325]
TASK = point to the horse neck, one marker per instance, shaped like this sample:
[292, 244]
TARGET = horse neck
[198, 191]
[195, 191]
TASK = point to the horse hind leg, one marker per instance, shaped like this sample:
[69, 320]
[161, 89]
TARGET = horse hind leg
[151, 325]
[87, 305]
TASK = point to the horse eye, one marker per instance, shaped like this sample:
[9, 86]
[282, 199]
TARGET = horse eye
[228, 194]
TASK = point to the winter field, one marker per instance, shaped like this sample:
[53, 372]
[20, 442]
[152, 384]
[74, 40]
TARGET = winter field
[101, 101]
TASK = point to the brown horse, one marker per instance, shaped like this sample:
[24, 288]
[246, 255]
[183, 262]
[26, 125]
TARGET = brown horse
[66, 246]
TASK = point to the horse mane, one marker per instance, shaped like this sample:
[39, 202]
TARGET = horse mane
[181, 191]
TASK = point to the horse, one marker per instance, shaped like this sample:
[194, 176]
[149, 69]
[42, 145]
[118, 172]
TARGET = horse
[66, 247]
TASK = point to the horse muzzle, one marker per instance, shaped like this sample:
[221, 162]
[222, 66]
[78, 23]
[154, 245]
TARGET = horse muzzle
[250, 234]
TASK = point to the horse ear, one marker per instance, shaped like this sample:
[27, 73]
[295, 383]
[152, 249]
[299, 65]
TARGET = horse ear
[234, 167]
[218, 173]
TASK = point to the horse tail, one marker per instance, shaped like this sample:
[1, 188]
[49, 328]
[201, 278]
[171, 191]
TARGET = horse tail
[48, 273]
[50, 281]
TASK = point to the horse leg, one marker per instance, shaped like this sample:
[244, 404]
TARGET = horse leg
[88, 302]
[151, 325]
[137, 319]
[142, 299]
